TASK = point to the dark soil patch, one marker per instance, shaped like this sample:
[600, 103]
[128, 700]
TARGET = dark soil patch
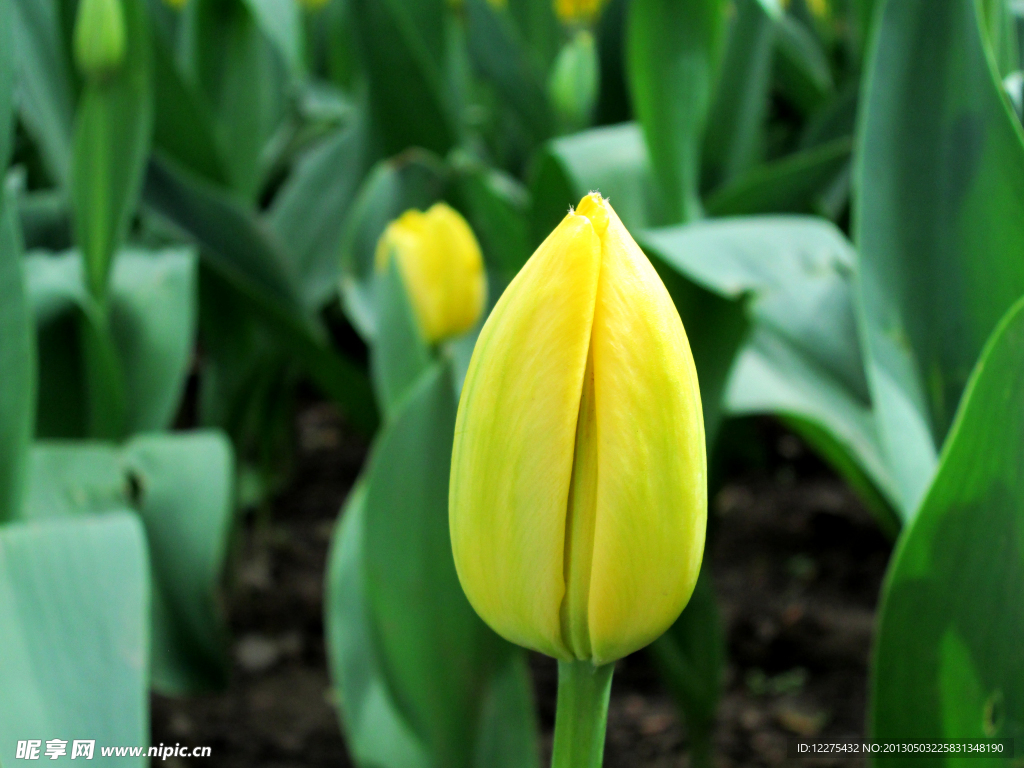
[797, 563]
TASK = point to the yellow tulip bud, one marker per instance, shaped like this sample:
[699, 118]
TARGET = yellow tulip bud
[578, 493]
[577, 11]
[99, 43]
[442, 268]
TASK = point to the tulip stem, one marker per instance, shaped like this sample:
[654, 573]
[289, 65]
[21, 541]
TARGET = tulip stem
[581, 714]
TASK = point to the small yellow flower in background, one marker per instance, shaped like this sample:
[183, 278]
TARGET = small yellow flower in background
[442, 268]
[578, 492]
[818, 7]
[576, 11]
[176, 4]
[99, 37]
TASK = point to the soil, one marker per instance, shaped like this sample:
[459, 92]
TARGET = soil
[797, 564]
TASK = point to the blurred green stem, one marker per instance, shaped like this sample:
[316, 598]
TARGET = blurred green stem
[581, 714]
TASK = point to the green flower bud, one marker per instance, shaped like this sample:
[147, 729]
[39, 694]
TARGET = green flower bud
[99, 42]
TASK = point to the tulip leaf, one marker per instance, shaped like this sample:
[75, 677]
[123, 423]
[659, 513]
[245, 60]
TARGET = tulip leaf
[46, 87]
[6, 81]
[309, 213]
[249, 259]
[497, 207]
[611, 160]
[403, 54]
[947, 661]
[74, 639]
[803, 358]
[152, 323]
[940, 182]
[183, 126]
[673, 52]
[181, 487]
[792, 184]
[237, 69]
[691, 659]
[17, 361]
[741, 98]
[113, 129]
[802, 67]
[281, 21]
[437, 656]
[399, 355]
[500, 56]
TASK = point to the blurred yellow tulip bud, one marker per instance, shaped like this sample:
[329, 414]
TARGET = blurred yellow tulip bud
[442, 268]
[577, 11]
[578, 493]
[176, 4]
[99, 37]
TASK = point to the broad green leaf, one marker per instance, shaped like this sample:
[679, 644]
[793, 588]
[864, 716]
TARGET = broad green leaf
[741, 98]
[947, 660]
[152, 326]
[6, 82]
[539, 29]
[230, 60]
[399, 354]
[181, 486]
[612, 160]
[375, 731]
[803, 359]
[309, 213]
[938, 222]
[17, 361]
[673, 55]
[242, 250]
[183, 126]
[500, 56]
[691, 659]
[412, 180]
[113, 130]
[403, 54]
[281, 22]
[45, 83]
[74, 638]
[436, 654]
[791, 184]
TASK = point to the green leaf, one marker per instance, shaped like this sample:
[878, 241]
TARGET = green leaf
[741, 98]
[803, 359]
[17, 361]
[183, 126]
[375, 731]
[691, 659]
[181, 486]
[403, 52]
[947, 661]
[310, 211]
[436, 653]
[46, 86]
[6, 82]
[673, 52]
[939, 224]
[152, 325]
[281, 22]
[500, 56]
[399, 354]
[230, 60]
[113, 129]
[803, 71]
[242, 250]
[74, 640]
[612, 160]
[791, 184]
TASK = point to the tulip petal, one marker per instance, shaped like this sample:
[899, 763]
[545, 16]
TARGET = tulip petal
[514, 440]
[652, 470]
